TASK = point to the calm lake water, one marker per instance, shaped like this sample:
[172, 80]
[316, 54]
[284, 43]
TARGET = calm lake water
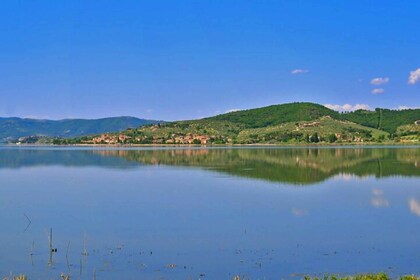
[201, 213]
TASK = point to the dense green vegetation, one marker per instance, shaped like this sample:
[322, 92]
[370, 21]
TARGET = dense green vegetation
[383, 119]
[277, 114]
[13, 128]
[377, 276]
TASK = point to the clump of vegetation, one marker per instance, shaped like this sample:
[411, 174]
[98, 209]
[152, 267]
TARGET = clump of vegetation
[408, 129]
[24, 277]
[19, 277]
[377, 276]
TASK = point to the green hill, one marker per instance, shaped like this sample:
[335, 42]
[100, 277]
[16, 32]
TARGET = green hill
[277, 114]
[13, 128]
[286, 123]
[226, 128]
[382, 119]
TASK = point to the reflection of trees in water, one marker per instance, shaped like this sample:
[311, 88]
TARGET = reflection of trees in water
[292, 165]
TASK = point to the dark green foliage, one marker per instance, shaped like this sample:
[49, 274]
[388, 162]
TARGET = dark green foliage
[283, 136]
[378, 276]
[277, 114]
[363, 117]
[314, 138]
[332, 138]
[384, 119]
[218, 140]
[196, 142]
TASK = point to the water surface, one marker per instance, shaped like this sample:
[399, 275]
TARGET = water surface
[264, 213]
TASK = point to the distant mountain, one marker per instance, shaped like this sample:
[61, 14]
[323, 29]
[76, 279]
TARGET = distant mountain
[294, 123]
[13, 128]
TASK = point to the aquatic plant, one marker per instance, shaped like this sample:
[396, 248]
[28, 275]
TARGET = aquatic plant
[19, 277]
[377, 276]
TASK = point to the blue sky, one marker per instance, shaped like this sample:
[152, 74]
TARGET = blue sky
[176, 60]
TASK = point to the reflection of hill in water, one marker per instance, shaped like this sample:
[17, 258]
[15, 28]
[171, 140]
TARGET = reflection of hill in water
[290, 165]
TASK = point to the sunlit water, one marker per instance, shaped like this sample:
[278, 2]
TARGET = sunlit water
[263, 213]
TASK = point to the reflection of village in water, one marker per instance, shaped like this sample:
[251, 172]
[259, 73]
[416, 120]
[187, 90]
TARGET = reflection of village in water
[298, 166]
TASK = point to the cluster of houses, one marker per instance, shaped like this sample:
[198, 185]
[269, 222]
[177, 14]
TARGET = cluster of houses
[109, 139]
[340, 136]
[112, 139]
[189, 139]
[308, 124]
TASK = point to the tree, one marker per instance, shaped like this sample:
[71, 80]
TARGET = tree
[315, 138]
[332, 138]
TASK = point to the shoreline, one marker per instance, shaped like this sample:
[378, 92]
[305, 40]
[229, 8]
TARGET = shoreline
[371, 144]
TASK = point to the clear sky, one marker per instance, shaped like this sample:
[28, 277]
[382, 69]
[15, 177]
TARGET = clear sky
[184, 59]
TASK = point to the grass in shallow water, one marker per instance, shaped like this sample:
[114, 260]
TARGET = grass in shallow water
[378, 276]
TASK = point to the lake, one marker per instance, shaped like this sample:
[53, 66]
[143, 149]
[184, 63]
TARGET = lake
[209, 213]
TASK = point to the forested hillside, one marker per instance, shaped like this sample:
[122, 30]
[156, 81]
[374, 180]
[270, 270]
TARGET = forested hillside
[277, 114]
[384, 119]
